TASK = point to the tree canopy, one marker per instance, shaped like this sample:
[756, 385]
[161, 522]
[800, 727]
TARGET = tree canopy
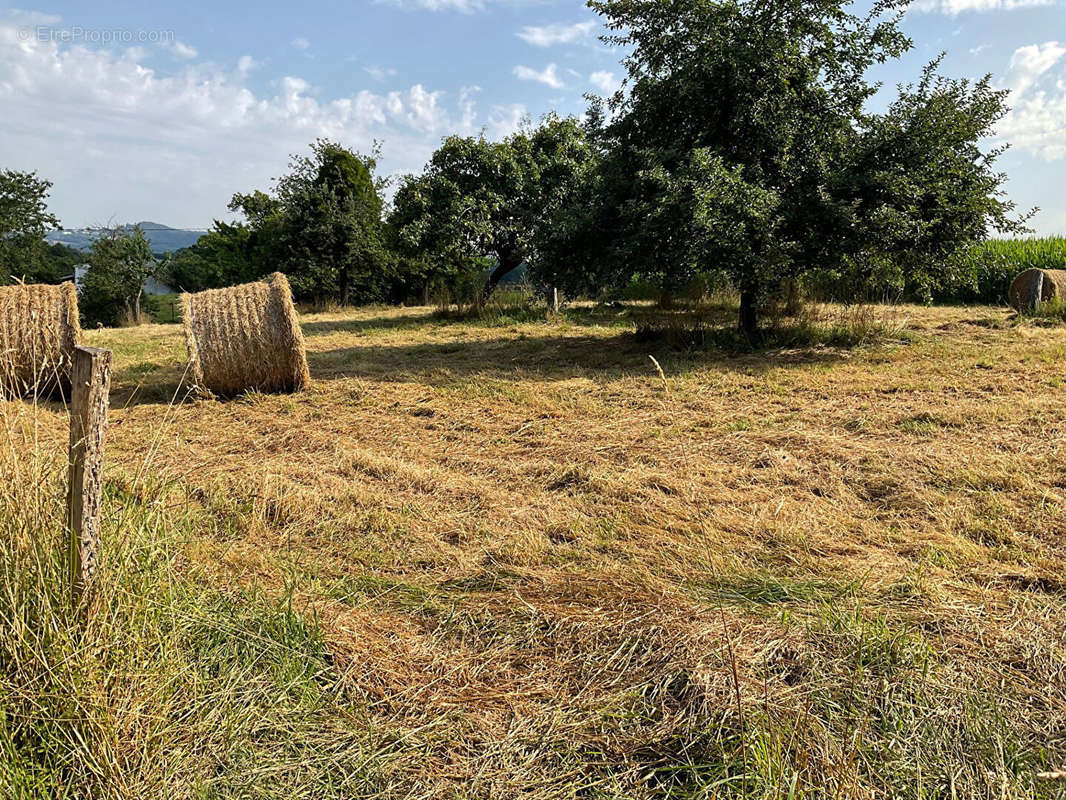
[744, 144]
[321, 225]
[482, 205]
[24, 221]
[742, 147]
[120, 262]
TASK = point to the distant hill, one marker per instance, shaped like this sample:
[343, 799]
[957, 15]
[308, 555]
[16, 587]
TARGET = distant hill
[162, 237]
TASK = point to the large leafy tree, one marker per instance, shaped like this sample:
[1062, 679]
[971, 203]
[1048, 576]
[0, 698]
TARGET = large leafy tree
[331, 233]
[564, 161]
[120, 262]
[24, 220]
[464, 211]
[922, 189]
[322, 225]
[489, 203]
[744, 144]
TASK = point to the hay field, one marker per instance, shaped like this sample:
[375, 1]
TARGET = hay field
[481, 558]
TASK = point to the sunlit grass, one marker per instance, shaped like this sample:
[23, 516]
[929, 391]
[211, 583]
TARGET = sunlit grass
[487, 558]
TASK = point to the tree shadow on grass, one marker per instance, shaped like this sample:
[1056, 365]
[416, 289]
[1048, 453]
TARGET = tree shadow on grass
[150, 384]
[552, 352]
[559, 356]
[618, 315]
[398, 322]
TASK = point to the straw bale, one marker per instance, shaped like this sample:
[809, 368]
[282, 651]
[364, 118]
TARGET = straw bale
[1023, 288]
[39, 329]
[245, 337]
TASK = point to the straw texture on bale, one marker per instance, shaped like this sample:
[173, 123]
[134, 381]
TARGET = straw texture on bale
[39, 330]
[245, 337]
[1023, 287]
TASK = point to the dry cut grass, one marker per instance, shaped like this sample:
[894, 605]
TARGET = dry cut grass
[509, 555]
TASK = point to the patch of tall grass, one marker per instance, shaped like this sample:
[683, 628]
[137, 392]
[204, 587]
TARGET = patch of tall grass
[1050, 312]
[168, 687]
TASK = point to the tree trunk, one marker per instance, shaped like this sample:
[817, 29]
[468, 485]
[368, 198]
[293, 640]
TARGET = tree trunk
[793, 304]
[137, 307]
[749, 314]
[504, 267]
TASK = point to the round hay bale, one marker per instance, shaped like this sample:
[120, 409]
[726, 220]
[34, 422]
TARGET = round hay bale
[1023, 289]
[245, 337]
[39, 330]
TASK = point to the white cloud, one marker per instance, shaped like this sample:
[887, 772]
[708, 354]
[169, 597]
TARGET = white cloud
[182, 50]
[133, 143]
[380, 73]
[419, 108]
[300, 43]
[21, 17]
[1029, 63]
[606, 82]
[1037, 119]
[465, 6]
[1038, 124]
[558, 33]
[549, 76]
[468, 106]
[505, 120]
[954, 7]
[245, 64]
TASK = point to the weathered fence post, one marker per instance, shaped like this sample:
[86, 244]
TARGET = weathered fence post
[90, 383]
[555, 299]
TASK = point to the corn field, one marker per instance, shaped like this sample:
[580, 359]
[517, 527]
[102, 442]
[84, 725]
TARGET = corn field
[995, 262]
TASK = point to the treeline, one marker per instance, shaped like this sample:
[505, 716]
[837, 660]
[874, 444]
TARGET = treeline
[479, 211]
[740, 150]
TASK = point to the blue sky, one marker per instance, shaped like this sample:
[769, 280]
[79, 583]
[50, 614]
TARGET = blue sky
[137, 111]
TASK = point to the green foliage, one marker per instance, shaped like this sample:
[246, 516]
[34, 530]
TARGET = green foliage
[58, 262]
[321, 225]
[223, 256]
[924, 189]
[985, 270]
[163, 309]
[120, 262]
[494, 205]
[744, 145]
[462, 211]
[24, 220]
[328, 216]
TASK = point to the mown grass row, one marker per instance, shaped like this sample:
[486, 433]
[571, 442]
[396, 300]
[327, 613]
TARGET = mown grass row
[173, 688]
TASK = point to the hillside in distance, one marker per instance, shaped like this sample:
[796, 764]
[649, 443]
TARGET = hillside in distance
[163, 238]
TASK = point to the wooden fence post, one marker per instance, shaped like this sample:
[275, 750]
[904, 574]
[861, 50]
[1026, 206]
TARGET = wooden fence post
[555, 299]
[90, 384]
